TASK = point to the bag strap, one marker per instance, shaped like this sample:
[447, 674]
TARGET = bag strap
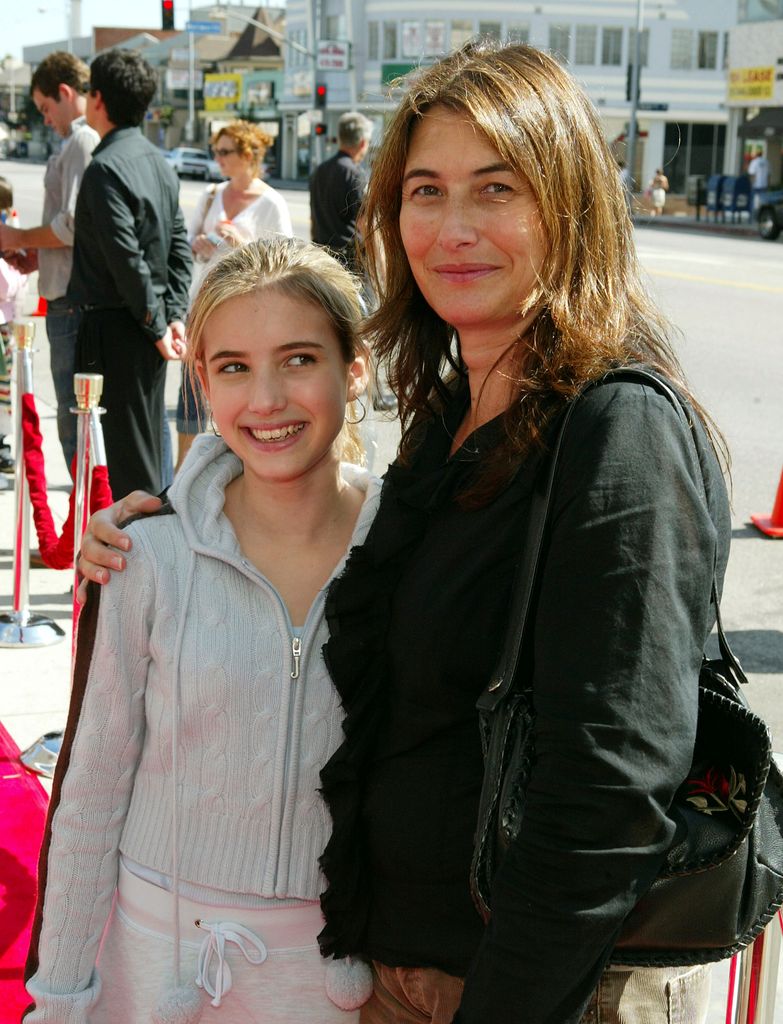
[525, 577]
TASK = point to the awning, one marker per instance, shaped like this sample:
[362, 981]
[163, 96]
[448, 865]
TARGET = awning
[768, 121]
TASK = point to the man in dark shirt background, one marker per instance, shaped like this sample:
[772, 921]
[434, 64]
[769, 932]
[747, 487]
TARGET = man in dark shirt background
[336, 189]
[131, 270]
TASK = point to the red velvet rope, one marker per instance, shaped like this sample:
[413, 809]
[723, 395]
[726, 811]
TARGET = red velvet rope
[56, 552]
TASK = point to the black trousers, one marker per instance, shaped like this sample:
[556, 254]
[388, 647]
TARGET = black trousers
[134, 375]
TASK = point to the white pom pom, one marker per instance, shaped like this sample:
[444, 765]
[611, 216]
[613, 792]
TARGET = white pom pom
[348, 983]
[183, 1005]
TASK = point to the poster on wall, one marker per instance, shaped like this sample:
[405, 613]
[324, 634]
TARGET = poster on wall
[221, 92]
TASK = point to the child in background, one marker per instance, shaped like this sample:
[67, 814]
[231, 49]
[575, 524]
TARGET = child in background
[186, 838]
[13, 288]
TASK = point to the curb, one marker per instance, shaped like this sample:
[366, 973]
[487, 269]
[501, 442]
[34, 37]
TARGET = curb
[744, 230]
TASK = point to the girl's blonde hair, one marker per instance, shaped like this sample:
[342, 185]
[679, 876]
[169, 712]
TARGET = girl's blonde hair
[302, 272]
[250, 141]
[591, 309]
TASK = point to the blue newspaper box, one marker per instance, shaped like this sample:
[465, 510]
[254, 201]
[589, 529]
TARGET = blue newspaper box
[735, 196]
[714, 189]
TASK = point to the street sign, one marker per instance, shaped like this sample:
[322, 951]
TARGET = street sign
[203, 28]
[332, 55]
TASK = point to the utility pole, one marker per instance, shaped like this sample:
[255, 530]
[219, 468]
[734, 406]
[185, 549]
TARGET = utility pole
[636, 69]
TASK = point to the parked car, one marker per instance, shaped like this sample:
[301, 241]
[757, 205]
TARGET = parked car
[193, 163]
[769, 213]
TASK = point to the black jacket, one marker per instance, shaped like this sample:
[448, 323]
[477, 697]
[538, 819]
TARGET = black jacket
[130, 246]
[417, 622]
[336, 189]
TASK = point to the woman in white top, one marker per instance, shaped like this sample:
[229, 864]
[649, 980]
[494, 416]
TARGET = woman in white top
[236, 211]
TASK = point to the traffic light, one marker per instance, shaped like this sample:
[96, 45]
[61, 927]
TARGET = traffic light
[320, 96]
[320, 129]
[167, 14]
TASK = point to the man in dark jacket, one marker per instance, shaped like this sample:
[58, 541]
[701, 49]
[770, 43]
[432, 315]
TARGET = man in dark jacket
[336, 189]
[131, 270]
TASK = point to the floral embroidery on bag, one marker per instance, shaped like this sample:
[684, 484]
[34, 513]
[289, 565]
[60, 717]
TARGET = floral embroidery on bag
[714, 792]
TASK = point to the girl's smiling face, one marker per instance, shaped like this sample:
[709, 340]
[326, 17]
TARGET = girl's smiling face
[277, 383]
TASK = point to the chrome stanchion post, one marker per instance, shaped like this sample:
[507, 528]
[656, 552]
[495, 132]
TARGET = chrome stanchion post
[87, 389]
[20, 628]
[768, 975]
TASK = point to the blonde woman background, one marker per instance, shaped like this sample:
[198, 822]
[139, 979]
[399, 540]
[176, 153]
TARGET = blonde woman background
[236, 211]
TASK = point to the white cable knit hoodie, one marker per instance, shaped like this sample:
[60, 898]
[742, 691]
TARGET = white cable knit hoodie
[190, 616]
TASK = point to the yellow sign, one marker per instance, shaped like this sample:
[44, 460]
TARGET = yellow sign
[222, 92]
[751, 83]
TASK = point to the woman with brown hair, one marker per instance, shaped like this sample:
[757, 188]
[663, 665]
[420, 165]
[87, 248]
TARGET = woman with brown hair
[236, 211]
[503, 258]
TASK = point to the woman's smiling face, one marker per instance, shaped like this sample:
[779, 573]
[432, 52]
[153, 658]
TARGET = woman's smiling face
[470, 227]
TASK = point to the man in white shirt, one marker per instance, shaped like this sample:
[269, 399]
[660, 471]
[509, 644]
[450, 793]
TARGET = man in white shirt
[59, 91]
[758, 169]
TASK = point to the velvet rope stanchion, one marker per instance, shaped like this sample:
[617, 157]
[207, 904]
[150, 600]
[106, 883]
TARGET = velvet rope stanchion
[56, 552]
[20, 627]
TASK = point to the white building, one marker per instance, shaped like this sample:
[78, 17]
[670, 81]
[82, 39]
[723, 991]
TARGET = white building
[755, 89]
[683, 112]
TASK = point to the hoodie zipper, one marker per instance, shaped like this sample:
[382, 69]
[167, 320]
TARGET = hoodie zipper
[296, 653]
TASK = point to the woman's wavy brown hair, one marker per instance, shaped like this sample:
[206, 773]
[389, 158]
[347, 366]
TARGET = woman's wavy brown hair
[591, 309]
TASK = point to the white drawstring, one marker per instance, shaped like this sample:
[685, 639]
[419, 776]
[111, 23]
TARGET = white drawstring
[214, 945]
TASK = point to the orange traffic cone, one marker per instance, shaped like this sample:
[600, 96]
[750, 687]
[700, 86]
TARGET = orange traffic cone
[41, 310]
[772, 525]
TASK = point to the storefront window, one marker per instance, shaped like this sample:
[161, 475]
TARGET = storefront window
[518, 32]
[560, 41]
[612, 46]
[708, 50]
[461, 32]
[584, 45]
[373, 40]
[682, 48]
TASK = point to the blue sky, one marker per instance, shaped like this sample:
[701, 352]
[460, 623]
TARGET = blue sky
[27, 22]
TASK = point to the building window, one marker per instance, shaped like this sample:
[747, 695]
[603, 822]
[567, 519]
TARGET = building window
[560, 41]
[390, 40]
[296, 58]
[461, 32]
[489, 30]
[373, 40]
[645, 47]
[726, 38]
[682, 48]
[434, 38]
[411, 39]
[584, 44]
[333, 26]
[518, 32]
[708, 50]
[612, 46]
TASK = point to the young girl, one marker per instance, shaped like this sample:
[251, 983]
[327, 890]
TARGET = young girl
[187, 822]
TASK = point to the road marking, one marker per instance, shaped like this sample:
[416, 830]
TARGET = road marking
[724, 282]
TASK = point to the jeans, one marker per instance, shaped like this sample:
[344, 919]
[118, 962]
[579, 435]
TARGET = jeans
[62, 326]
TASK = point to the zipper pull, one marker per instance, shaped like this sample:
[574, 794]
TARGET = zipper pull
[296, 651]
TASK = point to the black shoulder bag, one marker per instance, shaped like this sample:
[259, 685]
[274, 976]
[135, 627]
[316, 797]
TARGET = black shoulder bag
[722, 879]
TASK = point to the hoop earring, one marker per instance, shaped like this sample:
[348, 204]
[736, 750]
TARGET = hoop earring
[213, 428]
[354, 403]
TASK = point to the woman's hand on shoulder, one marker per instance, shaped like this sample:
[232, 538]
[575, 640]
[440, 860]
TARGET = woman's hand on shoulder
[103, 539]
